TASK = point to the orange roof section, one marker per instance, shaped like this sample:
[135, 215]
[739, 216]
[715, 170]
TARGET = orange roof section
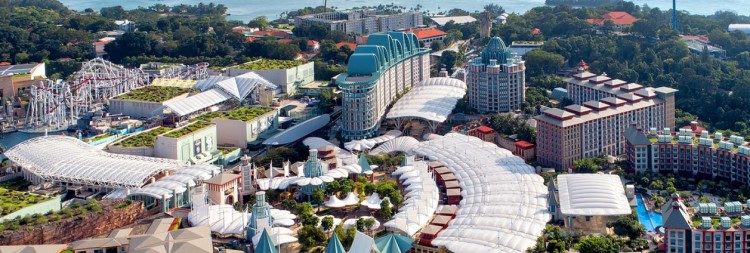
[617, 17]
[485, 129]
[352, 46]
[423, 33]
[524, 144]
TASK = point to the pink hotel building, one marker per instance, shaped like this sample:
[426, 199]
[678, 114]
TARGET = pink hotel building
[596, 127]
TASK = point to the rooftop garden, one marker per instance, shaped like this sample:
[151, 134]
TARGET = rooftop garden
[188, 129]
[227, 150]
[266, 64]
[154, 93]
[11, 201]
[144, 139]
[99, 137]
[242, 113]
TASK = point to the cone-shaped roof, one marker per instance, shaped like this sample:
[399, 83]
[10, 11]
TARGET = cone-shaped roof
[393, 243]
[334, 245]
[364, 163]
[265, 245]
[495, 50]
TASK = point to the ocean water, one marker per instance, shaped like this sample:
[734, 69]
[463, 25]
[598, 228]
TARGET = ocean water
[245, 10]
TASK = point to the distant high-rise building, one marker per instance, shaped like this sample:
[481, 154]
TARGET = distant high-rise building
[362, 22]
[496, 79]
[387, 66]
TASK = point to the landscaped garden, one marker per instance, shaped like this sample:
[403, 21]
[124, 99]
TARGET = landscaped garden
[144, 139]
[11, 201]
[188, 129]
[266, 64]
[100, 137]
[155, 93]
[76, 211]
[242, 113]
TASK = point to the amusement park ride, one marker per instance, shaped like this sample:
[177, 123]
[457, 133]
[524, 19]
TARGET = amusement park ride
[54, 106]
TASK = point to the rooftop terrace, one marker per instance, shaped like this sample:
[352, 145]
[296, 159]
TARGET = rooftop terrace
[242, 113]
[266, 64]
[188, 129]
[144, 139]
[154, 93]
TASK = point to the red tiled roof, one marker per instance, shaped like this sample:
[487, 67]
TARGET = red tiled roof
[696, 130]
[536, 31]
[352, 46]
[99, 43]
[485, 129]
[251, 39]
[617, 17]
[424, 33]
[524, 144]
[312, 42]
[285, 40]
[272, 33]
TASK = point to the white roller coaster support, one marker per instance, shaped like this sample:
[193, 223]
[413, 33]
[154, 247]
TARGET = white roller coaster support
[57, 105]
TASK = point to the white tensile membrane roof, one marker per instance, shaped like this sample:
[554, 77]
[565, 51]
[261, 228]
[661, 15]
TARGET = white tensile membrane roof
[403, 144]
[197, 102]
[421, 199]
[504, 205]
[67, 159]
[592, 195]
[432, 99]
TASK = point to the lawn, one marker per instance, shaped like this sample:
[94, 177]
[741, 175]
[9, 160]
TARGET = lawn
[242, 113]
[144, 139]
[266, 64]
[155, 93]
[188, 129]
[101, 136]
[227, 150]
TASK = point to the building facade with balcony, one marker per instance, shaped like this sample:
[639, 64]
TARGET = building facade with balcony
[379, 72]
[598, 127]
[496, 79]
[704, 156]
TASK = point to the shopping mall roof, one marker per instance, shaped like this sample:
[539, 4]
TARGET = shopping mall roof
[504, 205]
[432, 99]
[592, 194]
[67, 159]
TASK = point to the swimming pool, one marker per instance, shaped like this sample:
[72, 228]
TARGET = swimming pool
[649, 219]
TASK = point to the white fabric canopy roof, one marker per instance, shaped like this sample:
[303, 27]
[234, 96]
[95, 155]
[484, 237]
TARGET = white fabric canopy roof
[432, 99]
[197, 102]
[343, 156]
[592, 194]
[67, 159]
[225, 220]
[353, 222]
[351, 199]
[334, 202]
[404, 144]
[504, 205]
[421, 199]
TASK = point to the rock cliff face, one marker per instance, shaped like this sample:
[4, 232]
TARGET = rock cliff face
[70, 230]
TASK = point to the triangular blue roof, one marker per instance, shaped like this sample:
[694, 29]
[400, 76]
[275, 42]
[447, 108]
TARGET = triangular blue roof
[394, 243]
[265, 245]
[334, 245]
[364, 163]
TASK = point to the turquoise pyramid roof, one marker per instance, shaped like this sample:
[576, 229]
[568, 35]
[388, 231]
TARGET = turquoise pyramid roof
[334, 245]
[364, 163]
[393, 243]
[265, 245]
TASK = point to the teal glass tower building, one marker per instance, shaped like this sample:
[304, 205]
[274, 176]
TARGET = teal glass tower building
[389, 65]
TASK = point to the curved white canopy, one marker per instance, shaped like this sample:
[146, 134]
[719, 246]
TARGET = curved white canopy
[351, 199]
[592, 195]
[404, 144]
[67, 159]
[502, 196]
[421, 199]
[334, 202]
[432, 99]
